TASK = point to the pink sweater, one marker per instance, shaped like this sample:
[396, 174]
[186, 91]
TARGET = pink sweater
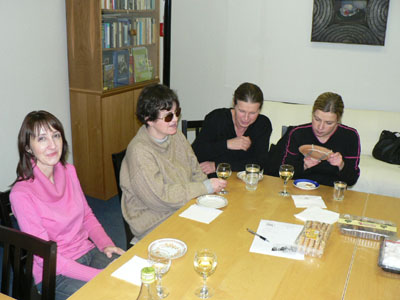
[59, 212]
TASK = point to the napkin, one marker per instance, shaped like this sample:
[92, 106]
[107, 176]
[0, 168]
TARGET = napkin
[200, 213]
[131, 270]
[318, 214]
[308, 201]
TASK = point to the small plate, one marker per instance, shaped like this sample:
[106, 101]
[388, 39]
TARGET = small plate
[242, 174]
[306, 184]
[316, 152]
[175, 248]
[213, 201]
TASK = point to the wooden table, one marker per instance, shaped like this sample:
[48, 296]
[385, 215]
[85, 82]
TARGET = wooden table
[347, 270]
[5, 297]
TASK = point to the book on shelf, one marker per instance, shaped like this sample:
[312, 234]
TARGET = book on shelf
[143, 70]
[108, 70]
[121, 67]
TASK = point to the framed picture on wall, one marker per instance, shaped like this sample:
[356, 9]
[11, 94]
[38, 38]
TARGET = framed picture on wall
[350, 22]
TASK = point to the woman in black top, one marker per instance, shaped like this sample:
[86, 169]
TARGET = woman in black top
[325, 130]
[237, 135]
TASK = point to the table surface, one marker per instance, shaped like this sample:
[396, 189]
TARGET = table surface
[5, 297]
[347, 270]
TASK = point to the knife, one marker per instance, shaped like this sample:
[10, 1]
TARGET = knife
[260, 236]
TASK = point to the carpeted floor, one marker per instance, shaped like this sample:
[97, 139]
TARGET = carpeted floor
[110, 216]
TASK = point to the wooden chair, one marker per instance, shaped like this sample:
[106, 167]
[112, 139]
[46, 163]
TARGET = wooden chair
[19, 249]
[5, 209]
[117, 161]
[196, 125]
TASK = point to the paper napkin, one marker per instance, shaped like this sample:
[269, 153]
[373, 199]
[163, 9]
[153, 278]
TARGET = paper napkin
[200, 213]
[308, 201]
[131, 270]
[318, 214]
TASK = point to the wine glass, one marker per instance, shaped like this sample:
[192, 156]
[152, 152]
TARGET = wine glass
[224, 171]
[161, 263]
[286, 172]
[205, 262]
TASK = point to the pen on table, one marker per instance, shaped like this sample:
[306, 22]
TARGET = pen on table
[260, 236]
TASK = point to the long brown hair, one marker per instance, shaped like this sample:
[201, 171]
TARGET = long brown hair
[30, 128]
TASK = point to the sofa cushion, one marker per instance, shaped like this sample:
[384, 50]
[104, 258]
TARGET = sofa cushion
[378, 177]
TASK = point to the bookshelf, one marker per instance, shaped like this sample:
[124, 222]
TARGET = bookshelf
[113, 52]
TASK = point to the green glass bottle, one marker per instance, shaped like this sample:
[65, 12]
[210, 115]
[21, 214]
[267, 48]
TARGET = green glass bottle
[148, 290]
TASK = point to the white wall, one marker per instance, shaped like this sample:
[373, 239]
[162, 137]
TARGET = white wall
[33, 71]
[216, 45]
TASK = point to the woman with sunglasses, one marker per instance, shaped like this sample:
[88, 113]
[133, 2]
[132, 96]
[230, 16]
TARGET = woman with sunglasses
[160, 172]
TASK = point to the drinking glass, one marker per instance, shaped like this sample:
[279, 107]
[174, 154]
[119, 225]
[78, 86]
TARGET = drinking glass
[286, 172]
[252, 176]
[224, 171]
[161, 263]
[205, 262]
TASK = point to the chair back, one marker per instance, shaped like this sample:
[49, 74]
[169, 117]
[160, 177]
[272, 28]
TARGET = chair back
[196, 125]
[18, 251]
[117, 161]
[5, 209]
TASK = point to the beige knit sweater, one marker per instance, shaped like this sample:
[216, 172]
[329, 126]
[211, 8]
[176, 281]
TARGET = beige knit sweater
[156, 179]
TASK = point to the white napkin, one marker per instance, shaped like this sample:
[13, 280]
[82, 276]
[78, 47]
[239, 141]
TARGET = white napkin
[200, 213]
[318, 214]
[308, 201]
[131, 270]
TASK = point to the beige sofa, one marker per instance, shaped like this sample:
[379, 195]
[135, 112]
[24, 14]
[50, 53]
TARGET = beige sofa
[376, 176]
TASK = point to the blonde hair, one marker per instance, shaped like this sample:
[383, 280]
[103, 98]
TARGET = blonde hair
[330, 102]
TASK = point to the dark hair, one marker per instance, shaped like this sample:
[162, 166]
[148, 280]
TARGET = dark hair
[248, 92]
[152, 100]
[330, 102]
[29, 129]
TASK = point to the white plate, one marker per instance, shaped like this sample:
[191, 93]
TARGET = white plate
[175, 248]
[306, 184]
[213, 201]
[242, 174]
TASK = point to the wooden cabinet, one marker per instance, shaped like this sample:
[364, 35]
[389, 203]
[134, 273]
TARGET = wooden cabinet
[103, 116]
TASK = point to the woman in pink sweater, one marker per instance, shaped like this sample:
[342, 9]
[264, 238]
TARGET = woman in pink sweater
[48, 202]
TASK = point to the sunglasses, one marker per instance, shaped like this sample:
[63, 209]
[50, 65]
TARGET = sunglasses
[168, 118]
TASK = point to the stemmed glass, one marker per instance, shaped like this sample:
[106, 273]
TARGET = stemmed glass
[161, 263]
[205, 262]
[286, 172]
[224, 171]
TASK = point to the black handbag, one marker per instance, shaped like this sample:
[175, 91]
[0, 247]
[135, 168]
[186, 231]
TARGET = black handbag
[388, 147]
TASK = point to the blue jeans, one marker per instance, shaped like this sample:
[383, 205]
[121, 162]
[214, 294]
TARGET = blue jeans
[66, 286]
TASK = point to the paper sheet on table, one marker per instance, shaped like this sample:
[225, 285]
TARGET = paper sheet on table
[318, 214]
[200, 213]
[308, 201]
[278, 234]
[131, 270]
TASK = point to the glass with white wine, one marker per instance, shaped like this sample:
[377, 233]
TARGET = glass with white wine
[224, 171]
[161, 263]
[286, 172]
[205, 262]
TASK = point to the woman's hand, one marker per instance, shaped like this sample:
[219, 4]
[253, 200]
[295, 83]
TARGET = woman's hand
[207, 167]
[108, 251]
[218, 184]
[336, 159]
[310, 162]
[239, 143]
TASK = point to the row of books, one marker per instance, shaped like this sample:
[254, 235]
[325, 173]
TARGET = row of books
[128, 32]
[124, 67]
[128, 4]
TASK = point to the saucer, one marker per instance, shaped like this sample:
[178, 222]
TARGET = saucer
[213, 201]
[175, 248]
[316, 152]
[306, 184]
